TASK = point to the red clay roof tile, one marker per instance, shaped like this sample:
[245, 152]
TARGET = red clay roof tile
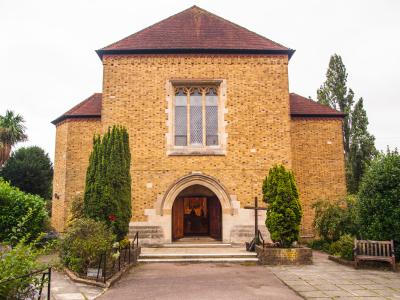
[88, 108]
[195, 29]
[304, 107]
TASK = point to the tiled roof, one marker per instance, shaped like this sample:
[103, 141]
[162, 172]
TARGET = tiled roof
[89, 108]
[304, 107]
[195, 30]
[299, 107]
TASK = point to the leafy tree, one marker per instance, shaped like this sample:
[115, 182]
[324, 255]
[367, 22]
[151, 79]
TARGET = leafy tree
[334, 219]
[12, 131]
[31, 170]
[108, 182]
[379, 203]
[21, 214]
[283, 211]
[335, 93]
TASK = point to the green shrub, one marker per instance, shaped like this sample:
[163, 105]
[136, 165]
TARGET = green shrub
[107, 195]
[83, 243]
[14, 263]
[343, 247]
[21, 214]
[379, 204]
[333, 219]
[283, 211]
[30, 169]
[322, 245]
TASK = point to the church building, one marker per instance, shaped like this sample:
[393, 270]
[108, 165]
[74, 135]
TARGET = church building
[207, 107]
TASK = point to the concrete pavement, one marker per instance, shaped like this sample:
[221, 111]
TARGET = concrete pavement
[199, 281]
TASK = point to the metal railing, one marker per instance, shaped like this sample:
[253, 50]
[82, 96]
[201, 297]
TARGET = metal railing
[36, 290]
[260, 239]
[113, 261]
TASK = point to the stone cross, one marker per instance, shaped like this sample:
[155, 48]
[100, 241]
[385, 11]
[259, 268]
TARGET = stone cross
[256, 208]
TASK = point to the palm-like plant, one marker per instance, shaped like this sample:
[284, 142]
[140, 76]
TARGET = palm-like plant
[12, 131]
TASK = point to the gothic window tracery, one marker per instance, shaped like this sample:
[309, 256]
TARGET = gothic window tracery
[196, 116]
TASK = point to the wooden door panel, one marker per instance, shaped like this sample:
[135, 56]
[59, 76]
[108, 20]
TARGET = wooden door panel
[215, 218]
[177, 219]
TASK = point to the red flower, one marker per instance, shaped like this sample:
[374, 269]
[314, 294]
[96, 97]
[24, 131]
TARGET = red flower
[112, 218]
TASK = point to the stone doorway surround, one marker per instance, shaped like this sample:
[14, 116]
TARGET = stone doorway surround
[237, 222]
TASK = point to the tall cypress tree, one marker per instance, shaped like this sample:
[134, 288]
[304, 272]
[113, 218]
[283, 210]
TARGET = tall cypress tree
[362, 147]
[108, 182]
[358, 142]
[284, 210]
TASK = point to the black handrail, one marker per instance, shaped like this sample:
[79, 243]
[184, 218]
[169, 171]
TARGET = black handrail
[120, 262]
[46, 271]
[260, 237]
[136, 238]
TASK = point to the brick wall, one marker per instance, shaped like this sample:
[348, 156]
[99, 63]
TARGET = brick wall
[74, 140]
[318, 163]
[135, 93]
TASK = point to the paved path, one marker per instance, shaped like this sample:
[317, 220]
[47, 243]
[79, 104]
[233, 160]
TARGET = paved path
[328, 280]
[199, 281]
[63, 288]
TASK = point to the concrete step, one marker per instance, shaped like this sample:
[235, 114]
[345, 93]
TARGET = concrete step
[196, 245]
[192, 253]
[200, 260]
[196, 255]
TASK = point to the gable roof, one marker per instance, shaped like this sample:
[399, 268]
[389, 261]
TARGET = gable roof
[88, 108]
[299, 107]
[304, 107]
[195, 30]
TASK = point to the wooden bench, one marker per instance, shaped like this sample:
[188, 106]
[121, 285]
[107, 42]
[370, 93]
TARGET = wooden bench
[374, 251]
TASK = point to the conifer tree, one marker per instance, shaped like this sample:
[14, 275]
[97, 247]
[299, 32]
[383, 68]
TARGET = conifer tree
[335, 93]
[284, 210]
[108, 181]
[362, 147]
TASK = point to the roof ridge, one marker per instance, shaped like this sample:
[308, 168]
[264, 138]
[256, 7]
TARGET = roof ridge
[236, 36]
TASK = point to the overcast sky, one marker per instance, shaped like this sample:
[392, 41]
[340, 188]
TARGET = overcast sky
[48, 63]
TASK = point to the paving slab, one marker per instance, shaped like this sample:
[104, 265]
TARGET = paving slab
[199, 281]
[326, 279]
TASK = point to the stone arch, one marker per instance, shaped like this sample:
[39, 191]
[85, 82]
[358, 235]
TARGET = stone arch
[196, 179]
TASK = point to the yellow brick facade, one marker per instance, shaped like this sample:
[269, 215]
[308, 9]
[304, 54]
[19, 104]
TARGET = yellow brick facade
[318, 163]
[74, 140]
[260, 132]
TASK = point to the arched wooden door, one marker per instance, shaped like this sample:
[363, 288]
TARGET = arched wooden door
[196, 216]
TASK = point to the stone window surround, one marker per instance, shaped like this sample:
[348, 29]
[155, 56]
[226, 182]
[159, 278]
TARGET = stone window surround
[220, 149]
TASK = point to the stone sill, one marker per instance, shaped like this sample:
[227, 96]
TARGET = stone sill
[196, 152]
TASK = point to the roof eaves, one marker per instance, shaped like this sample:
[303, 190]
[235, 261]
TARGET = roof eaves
[65, 117]
[102, 52]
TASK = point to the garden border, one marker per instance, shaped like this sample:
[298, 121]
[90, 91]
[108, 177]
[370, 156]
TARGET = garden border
[75, 278]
